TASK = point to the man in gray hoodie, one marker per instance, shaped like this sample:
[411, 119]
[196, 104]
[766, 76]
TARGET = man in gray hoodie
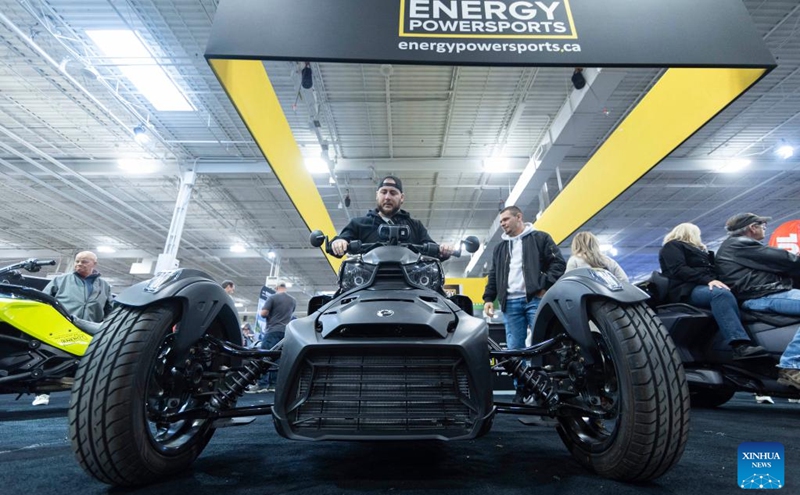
[524, 266]
[84, 295]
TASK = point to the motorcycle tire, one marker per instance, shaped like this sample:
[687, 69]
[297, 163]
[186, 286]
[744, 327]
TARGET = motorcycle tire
[110, 432]
[651, 398]
[707, 398]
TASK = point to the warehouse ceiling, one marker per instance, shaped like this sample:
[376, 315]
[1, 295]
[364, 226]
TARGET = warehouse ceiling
[459, 137]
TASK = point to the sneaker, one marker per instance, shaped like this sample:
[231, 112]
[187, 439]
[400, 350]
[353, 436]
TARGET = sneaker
[747, 351]
[41, 400]
[794, 401]
[764, 399]
[789, 377]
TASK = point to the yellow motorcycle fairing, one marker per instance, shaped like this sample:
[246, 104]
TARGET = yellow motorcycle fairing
[42, 322]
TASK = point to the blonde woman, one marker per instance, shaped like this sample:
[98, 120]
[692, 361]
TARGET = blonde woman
[687, 263]
[586, 253]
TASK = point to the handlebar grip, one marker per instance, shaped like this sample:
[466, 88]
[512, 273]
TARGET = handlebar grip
[430, 249]
[48, 262]
[354, 247]
[329, 250]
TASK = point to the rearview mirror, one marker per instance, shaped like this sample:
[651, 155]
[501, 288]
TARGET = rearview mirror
[471, 244]
[316, 238]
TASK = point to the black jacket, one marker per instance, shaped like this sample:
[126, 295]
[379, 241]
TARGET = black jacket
[542, 265]
[686, 267]
[753, 270]
[365, 229]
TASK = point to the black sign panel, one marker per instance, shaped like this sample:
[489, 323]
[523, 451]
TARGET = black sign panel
[655, 33]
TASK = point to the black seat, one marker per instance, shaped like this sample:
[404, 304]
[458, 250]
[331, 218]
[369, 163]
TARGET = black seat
[658, 288]
[773, 319]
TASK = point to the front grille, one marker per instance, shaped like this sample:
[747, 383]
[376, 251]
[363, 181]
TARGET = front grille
[401, 391]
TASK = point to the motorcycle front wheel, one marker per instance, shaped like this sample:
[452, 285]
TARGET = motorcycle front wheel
[124, 384]
[639, 380]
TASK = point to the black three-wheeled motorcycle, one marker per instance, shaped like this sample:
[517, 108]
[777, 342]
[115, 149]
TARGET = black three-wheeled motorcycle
[388, 357]
[713, 374]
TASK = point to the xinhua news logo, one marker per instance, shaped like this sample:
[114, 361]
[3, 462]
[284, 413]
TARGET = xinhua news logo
[761, 466]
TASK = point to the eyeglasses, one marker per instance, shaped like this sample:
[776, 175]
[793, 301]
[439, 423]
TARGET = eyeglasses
[763, 225]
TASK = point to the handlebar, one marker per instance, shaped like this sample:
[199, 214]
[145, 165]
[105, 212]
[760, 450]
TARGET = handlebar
[317, 239]
[31, 264]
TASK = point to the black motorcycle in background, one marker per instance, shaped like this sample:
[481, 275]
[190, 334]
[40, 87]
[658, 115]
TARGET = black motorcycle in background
[388, 357]
[713, 375]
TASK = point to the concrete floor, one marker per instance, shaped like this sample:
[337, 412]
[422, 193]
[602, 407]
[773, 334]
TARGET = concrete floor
[36, 458]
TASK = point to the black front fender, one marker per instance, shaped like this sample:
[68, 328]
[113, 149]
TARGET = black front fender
[201, 299]
[567, 301]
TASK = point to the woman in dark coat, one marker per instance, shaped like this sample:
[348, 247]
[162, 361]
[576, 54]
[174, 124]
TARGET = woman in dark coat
[687, 263]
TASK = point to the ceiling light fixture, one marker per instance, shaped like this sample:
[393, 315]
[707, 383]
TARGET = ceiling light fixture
[106, 249]
[785, 150]
[316, 165]
[608, 249]
[733, 165]
[137, 166]
[133, 59]
[496, 164]
[271, 255]
[140, 134]
[238, 248]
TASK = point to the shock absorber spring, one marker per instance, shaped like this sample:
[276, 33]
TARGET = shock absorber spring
[235, 384]
[534, 382]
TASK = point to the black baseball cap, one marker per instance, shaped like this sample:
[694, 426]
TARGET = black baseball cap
[393, 182]
[742, 220]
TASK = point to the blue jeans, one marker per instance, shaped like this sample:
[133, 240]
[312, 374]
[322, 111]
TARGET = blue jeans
[725, 310]
[268, 342]
[518, 316]
[784, 303]
[791, 356]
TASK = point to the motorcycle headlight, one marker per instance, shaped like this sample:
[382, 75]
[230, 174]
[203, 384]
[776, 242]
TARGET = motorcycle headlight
[355, 274]
[161, 280]
[426, 274]
[606, 278]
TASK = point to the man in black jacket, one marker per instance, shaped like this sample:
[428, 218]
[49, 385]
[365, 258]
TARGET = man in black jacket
[761, 277]
[389, 199]
[524, 266]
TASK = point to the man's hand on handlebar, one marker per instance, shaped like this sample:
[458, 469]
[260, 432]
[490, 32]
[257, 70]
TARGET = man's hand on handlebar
[339, 247]
[446, 250]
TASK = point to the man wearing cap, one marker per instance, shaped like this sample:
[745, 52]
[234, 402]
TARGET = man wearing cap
[389, 199]
[761, 277]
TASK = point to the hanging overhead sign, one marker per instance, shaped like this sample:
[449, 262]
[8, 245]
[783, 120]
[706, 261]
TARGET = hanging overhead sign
[656, 33]
[711, 48]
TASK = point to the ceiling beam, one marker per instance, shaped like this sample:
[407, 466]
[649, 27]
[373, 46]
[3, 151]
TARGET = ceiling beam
[565, 131]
